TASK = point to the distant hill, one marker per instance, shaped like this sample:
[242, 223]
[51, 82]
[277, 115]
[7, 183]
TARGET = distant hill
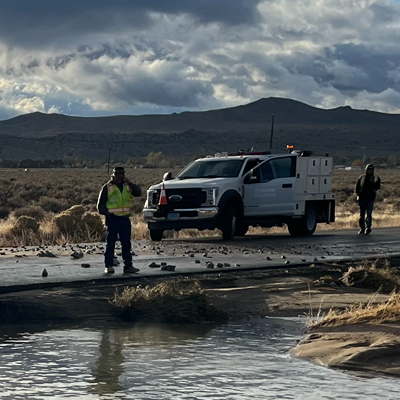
[341, 130]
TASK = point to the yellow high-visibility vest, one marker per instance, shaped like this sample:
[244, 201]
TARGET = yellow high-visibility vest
[118, 203]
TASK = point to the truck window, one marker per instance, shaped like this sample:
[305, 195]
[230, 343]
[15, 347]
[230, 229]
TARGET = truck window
[284, 167]
[250, 165]
[212, 169]
[266, 172]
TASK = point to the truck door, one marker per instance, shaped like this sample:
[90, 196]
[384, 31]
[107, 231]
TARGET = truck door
[269, 188]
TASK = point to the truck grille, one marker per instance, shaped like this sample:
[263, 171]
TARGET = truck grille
[191, 198]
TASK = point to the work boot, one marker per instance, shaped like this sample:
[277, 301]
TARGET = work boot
[368, 231]
[131, 270]
[361, 232]
[109, 270]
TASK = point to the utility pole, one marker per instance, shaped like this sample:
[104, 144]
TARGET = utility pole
[272, 133]
[109, 158]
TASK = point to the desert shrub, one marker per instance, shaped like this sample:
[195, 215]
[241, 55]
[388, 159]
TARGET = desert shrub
[4, 212]
[383, 279]
[78, 224]
[137, 207]
[53, 205]
[76, 211]
[15, 202]
[69, 220]
[173, 301]
[25, 223]
[93, 222]
[35, 212]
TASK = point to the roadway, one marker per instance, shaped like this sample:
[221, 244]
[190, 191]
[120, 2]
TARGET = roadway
[21, 267]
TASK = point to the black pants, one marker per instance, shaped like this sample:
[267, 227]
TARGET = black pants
[118, 227]
[366, 207]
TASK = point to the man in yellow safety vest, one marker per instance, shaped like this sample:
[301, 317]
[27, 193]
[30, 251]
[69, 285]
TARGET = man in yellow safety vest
[115, 202]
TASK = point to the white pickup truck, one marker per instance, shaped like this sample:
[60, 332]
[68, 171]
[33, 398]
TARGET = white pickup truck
[231, 192]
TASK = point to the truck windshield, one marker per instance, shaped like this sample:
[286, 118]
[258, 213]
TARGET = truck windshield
[212, 169]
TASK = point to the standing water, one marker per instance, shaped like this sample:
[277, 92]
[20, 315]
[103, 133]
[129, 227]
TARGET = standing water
[240, 360]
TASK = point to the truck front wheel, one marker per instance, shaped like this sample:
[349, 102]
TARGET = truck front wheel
[229, 223]
[156, 234]
[241, 229]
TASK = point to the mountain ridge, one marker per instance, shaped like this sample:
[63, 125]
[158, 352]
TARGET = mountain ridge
[342, 131]
[248, 117]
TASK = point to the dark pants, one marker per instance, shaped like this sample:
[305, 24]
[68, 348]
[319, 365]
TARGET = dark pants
[118, 227]
[366, 207]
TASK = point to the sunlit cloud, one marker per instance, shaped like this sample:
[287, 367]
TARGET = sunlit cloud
[131, 57]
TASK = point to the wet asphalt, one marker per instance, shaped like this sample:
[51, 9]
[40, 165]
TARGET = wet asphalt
[24, 268]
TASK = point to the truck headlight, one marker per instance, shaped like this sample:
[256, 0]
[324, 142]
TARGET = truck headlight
[211, 197]
[150, 198]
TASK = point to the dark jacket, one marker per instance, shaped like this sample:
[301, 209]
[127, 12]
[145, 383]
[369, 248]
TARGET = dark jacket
[103, 196]
[366, 188]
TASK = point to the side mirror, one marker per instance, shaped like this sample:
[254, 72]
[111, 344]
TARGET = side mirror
[251, 177]
[167, 176]
[254, 179]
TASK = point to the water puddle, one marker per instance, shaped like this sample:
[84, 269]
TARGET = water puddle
[241, 360]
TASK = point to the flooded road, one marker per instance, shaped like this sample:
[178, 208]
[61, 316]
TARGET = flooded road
[241, 360]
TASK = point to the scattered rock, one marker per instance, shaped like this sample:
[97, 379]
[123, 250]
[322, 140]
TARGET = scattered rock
[154, 265]
[197, 261]
[170, 268]
[76, 255]
[45, 273]
[47, 254]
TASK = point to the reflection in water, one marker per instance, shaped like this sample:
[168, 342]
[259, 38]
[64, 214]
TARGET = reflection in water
[109, 367]
[246, 360]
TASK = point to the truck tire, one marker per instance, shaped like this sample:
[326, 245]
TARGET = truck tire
[294, 227]
[229, 223]
[305, 226]
[156, 234]
[241, 229]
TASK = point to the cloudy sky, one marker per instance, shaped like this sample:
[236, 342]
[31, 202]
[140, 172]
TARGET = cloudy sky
[102, 57]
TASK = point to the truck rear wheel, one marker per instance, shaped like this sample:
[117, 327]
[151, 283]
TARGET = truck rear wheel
[156, 234]
[305, 226]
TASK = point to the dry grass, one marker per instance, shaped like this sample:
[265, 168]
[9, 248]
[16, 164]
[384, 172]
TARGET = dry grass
[371, 276]
[172, 301]
[369, 311]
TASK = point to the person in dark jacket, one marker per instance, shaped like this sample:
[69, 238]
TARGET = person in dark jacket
[366, 188]
[115, 202]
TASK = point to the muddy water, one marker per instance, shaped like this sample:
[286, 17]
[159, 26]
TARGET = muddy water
[246, 360]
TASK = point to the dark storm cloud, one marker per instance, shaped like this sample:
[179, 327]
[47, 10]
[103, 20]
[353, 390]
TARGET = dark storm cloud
[348, 68]
[34, 23]
[374, 65]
